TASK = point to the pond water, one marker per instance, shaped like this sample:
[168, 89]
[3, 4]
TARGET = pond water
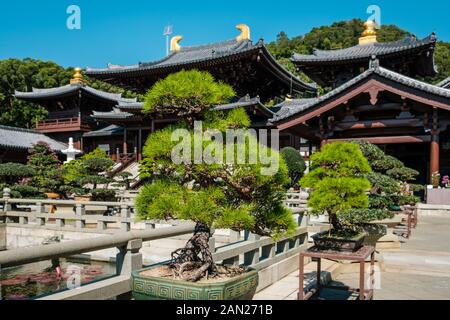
[42, 278]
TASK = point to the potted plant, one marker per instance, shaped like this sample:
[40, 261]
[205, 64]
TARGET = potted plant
[435, 179]
[339, 188]
[213, 194]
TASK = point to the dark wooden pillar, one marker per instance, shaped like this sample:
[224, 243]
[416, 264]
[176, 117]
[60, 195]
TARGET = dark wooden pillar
[125, 144]
[434, 145]
[139, 155]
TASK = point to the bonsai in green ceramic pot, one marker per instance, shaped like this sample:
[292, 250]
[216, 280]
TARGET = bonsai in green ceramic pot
[239, 195]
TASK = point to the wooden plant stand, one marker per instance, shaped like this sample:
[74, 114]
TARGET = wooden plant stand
[359, 256]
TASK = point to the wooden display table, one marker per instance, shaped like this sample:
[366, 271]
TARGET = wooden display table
[359, 256]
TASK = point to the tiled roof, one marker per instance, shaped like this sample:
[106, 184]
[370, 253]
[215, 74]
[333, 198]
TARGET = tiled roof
[243, 103]
[365, 51]
[52, 93]
[290, 108]
[198, 54]
[444, 83]
[18, 138]
[184, 56]
[110, 130]
[116, 113]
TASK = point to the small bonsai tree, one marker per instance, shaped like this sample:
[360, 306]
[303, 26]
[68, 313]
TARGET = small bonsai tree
[295, 163]
[338, 183]
[15, 176]
[221, 194]
[390, 179]
[84, 176]
[44, 161]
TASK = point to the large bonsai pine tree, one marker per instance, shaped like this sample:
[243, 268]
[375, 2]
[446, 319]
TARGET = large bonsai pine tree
[221, 194]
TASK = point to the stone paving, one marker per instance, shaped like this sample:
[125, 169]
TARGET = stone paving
[420, 270]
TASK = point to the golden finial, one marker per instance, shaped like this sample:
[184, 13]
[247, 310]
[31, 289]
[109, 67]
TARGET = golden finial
[175, 43]
[77, 76]
[370, 34]
[245, 32]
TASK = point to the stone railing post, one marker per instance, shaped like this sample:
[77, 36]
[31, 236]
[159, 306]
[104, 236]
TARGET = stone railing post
[125, 214]
[39, 210]
[252, 257]
[6, 197]
[128, 259]
[80, 211]
[234, 236]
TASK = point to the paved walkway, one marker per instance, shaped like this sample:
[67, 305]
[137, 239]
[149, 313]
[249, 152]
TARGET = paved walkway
[420, 270]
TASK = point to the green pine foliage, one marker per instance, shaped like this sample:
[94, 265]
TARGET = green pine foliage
[295, 163]
[339, 186]
[221, 195]
[83, 176]
[186, 94]
[389, 179]
[46, 165]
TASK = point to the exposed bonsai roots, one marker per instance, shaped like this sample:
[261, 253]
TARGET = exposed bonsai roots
[195, 257]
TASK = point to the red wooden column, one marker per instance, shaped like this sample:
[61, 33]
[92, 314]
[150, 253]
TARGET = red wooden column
[434, 145]
[434, 154]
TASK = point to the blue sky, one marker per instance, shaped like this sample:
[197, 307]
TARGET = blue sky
[126, 32]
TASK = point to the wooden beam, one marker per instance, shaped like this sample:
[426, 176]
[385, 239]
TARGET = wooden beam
[388, 123]
[387, 140]
[371, 85]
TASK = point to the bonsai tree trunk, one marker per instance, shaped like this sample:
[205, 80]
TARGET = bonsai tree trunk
[334, 221]
[196, 256]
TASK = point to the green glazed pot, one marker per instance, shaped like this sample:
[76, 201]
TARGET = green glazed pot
[242, 287]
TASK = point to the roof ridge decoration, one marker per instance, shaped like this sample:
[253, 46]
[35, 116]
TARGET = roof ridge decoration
[245, 32]
[370, 34]
[175, 43]
[77, 77]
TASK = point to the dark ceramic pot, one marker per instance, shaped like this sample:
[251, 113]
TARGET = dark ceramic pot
[323, 242]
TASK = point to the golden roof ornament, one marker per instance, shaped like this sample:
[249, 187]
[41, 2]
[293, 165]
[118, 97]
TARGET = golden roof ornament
[370, 34]
[77, 76]
[245, 32]
[175, 43]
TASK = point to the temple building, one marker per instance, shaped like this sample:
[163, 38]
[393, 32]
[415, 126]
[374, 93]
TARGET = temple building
[407, 118]
[70, 107]
[332, 68]
[375, 96]
[248, 67]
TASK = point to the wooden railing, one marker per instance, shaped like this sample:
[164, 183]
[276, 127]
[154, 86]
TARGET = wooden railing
[62, 124]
